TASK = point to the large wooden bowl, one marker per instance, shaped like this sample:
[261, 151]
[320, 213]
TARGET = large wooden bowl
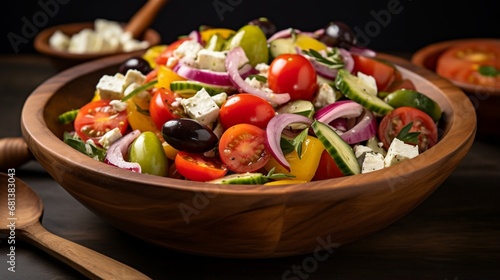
[486, 100]
[244, 221]
[63, 60]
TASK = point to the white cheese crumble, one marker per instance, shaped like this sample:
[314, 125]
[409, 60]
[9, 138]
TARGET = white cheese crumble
[399, 151]
[370, 85]
[326, 95]
[201, 107]
[110, 137]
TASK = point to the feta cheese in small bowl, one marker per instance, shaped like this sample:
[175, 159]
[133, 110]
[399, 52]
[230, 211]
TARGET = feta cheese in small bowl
[71, 44]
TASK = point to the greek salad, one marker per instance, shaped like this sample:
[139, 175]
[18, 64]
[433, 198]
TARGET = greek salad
[255, 105]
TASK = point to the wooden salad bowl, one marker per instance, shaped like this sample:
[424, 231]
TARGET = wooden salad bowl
[242, 221]
[486, 100]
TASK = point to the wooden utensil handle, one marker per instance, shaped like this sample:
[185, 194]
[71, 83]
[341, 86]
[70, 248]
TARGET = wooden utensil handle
[143, 18]
[14, 152]
[90, 263]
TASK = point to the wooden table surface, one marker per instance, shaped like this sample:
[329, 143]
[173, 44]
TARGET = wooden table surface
[453, 235]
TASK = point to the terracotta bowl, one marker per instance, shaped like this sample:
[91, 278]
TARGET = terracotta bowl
[63, 60]
[242, 221]
[486, 100]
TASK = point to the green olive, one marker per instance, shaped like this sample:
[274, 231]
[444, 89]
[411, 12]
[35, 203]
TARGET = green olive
[415, 99]
[147, 150]
[253, 41]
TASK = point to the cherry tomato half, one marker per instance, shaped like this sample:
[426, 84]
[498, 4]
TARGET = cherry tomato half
[383, 73]
[197, 167]
[242, 148]
[96, 118]
[161, 109]
[245, 108]
[398, 118]
[293, 74]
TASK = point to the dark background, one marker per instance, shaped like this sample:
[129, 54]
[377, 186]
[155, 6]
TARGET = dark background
[418, 24]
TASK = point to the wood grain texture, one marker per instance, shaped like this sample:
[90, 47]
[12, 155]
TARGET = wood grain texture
[144, 17]
[239, 220]
[28, 212]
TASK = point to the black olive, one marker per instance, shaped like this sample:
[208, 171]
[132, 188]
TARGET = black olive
[137, 63]
[189, 135]
[265, 24]
[338, 34]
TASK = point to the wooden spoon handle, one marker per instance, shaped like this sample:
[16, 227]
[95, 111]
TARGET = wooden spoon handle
[14, 152]
[90, 263]
[143, 18]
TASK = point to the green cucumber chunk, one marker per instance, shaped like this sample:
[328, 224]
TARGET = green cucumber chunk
[187, 89]
[68, 116]
[341, 152]
[242, 179]
[299, 107]
[354, 88]
[215, 43]
[281, 46]
[415, 99]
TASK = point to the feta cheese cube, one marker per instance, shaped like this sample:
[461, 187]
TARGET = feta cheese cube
[399, 151]
[118, 105]
[188, 49]
[110, 87]
[201, 107]
[326, 95]
[110, 137]
[370, 85]
[220, 98]
[59, 41]
[133, 76]
[372, 162]
[359, 150]
[212, 60]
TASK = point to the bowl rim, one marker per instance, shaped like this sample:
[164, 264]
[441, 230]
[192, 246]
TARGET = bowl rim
[36, 132]
[41, 42]
[420, 56]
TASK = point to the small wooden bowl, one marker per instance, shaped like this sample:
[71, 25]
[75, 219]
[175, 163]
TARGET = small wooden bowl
[63, 60]
[242, 221]
[486, 100]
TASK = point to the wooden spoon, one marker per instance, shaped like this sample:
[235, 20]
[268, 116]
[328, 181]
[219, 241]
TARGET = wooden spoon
[14, 152]
[24, 222]
[143, 18]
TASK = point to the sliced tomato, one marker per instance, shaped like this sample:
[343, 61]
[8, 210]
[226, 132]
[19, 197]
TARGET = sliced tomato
[293, 74]
[161, 108]
[197, 167]
[242, 148]
[327, 168]
[394, 121]
[96, 118]
[383, 73]
[461, 63]
[246, 108]
[169, 51]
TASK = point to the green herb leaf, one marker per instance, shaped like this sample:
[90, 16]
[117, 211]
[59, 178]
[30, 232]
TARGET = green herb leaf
[487, 70]
[68, 116]
[286, 146]
[139, 90]
[298, 140]
[142, 111]
[406, 136]
[275, 176]
[258, 77]
[332, 59]
[88, 149]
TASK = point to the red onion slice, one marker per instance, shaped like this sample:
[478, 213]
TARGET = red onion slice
[208, 76]
[116, 152]
[195, 36]
[363, 130]
[339, 109]
[232, 61]
[324, 70]
[285, 33]
[273, 134]
[362, 51]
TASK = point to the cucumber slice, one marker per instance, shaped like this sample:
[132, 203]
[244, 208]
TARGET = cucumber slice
[242, 179]
[415, 99]
[189, 88]
[354, 88]
[281, 46]
[341, 152]
[68, 116]
[299, 107]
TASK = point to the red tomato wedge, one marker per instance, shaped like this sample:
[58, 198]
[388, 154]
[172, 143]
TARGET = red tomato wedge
[96, 118]
[383, 73]
[161, 109]
[398, 118]
[242, 148]
[327, 168]
[197, 167]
